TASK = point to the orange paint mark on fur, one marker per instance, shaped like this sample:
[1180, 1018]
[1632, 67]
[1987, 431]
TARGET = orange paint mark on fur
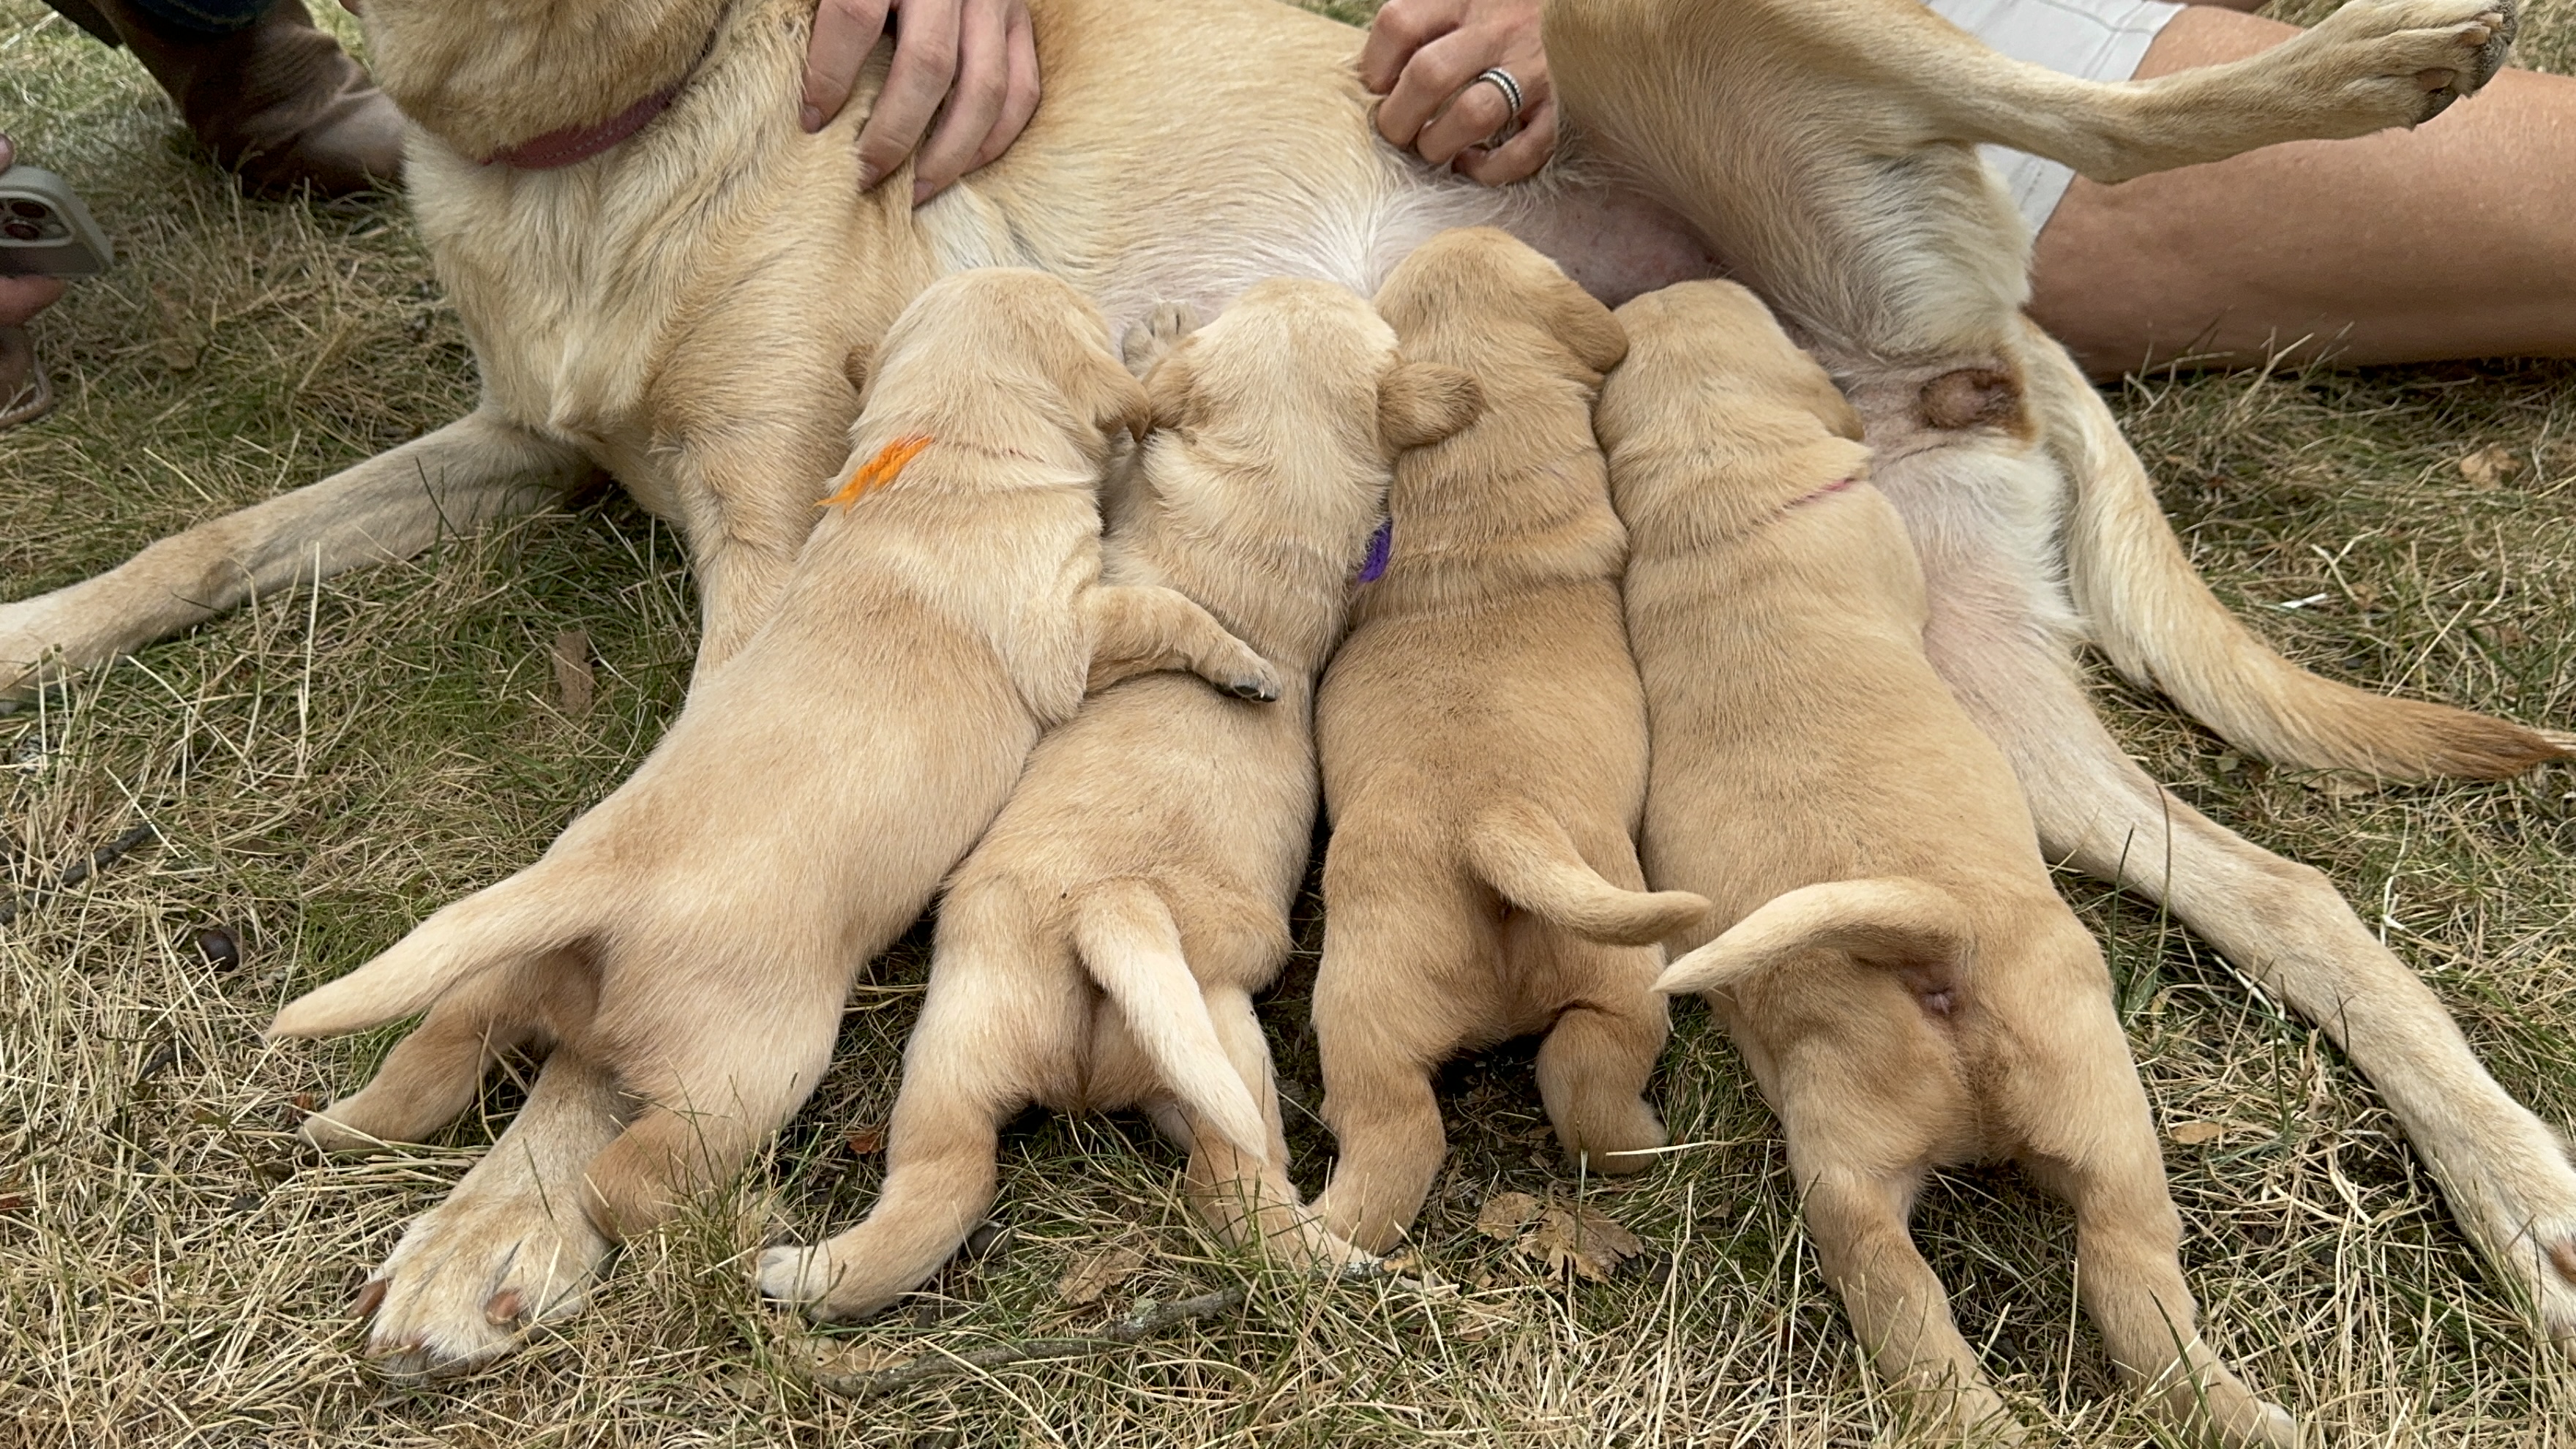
[880, 470]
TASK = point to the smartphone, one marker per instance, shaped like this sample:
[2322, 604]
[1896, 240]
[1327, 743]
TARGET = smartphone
[44, 229]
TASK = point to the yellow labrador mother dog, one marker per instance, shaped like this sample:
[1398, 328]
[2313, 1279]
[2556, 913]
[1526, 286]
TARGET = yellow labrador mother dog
[690, 304]
[1101, 947]
[1895, 963]
[694, 935]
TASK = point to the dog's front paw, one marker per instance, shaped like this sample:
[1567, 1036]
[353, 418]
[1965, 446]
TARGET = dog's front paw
[472, 1277]
[2403, 62]
[1262, 688]
[795, 1276]
[1155, 334]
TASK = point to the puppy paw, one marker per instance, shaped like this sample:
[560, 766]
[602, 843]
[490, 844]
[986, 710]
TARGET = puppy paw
[795, 1276]
[471, 1278]
[1156, 334]
[1260, 689]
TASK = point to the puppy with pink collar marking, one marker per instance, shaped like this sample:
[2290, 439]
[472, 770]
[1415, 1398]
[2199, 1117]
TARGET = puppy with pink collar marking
[1890, 955]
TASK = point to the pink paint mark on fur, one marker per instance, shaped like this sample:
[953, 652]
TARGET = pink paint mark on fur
[580, 143]
[1827, 491]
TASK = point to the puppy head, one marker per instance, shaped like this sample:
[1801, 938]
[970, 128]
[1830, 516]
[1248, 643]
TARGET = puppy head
[1717, 414]
[977, 353]
[485, 75]
[1484, 279]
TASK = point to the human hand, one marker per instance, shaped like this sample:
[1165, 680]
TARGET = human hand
[979, 56]
[23, 297]
[1424, 57]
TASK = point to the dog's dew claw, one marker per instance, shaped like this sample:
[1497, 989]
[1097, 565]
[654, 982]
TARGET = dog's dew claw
[505, 1309]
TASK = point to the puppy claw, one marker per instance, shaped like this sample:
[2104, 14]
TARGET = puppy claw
[505, 1309]
[371, 1296]
[1259, 691]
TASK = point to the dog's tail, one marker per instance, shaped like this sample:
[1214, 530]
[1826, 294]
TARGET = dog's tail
[2150, 611]
[515, 921]
[1894, 922]
[1526, 854]
[1132, 949]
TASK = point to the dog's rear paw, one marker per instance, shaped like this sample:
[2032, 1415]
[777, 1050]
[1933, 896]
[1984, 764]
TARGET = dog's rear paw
[2410, 59]
[471, 1278]
[1156, 334]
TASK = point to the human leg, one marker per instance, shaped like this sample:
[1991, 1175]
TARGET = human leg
[271, 95]
[2349, 248]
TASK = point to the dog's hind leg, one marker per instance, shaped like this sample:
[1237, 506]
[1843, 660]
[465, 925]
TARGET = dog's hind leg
[2507, 1176]
[1249, 1199]
[433, 1074]
[1594, 1062]
[1381, 1030]
[1899, 1310]
[2148, 609]
[2090, 1138]
[995, 1027]
[392, 506]
[510, 1247]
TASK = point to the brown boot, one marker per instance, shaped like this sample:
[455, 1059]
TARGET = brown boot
[279, 102]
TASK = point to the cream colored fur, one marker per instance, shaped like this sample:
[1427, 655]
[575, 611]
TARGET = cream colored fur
[1894, 962]
[1484, 751]
[692, 310]
[1101, 947]
[695, 934]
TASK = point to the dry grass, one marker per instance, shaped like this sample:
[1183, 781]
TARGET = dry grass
[326, 769]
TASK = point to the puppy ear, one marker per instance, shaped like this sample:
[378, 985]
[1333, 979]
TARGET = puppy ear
[1117, 399]
[1587, 327]
[1420, 403]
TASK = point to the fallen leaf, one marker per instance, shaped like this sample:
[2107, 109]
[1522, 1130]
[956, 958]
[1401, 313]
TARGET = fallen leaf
[2192, 1134]
[1504, 1216]
[1589, 1243]
[575, 687]
[2489, 466]
[865, 1141]
[1095, 1274]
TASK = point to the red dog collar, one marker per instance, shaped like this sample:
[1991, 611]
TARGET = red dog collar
[580, 143]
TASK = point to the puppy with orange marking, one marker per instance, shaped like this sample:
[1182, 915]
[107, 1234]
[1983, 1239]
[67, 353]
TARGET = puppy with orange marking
[1101, 947]
[1484, 755]
[693, 937]
[1895, 965]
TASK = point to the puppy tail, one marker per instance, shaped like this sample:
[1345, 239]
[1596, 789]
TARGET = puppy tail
[514, 921]
[1896, 923]
[2153, 615]
[1528, 856]
[1131, 947]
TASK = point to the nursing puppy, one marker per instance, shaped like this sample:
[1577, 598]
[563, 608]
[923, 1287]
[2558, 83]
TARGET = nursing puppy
[1100, 948]
[1484, 753]
[695, 934]
[1897, 969]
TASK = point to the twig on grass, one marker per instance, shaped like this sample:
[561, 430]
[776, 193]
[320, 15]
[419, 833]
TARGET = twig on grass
[1145, 1322]
[74, 873]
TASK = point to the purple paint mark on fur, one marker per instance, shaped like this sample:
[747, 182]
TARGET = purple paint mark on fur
[1381, 543]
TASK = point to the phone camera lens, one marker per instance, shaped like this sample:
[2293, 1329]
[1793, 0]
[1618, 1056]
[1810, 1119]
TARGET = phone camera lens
[25, 231]
[31, 210]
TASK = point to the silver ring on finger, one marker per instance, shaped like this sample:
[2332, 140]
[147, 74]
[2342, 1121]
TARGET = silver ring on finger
[1503, 81]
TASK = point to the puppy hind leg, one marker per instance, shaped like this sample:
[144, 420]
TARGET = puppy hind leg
[1146, 628]
[1593, 1065]
[435, 1073]
[994, 1031]
[1898, 1308]
[1250, 1199]
[2129, 1275]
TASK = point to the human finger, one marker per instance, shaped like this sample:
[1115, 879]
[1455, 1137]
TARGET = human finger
[1401, 28]
[1020, 100]
[1475, 113]
[844, 32]
[1430, 79]
[1517, 159]
[974, 99]
[925, 63]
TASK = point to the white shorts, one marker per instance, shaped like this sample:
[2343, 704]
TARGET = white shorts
[2095, 39]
